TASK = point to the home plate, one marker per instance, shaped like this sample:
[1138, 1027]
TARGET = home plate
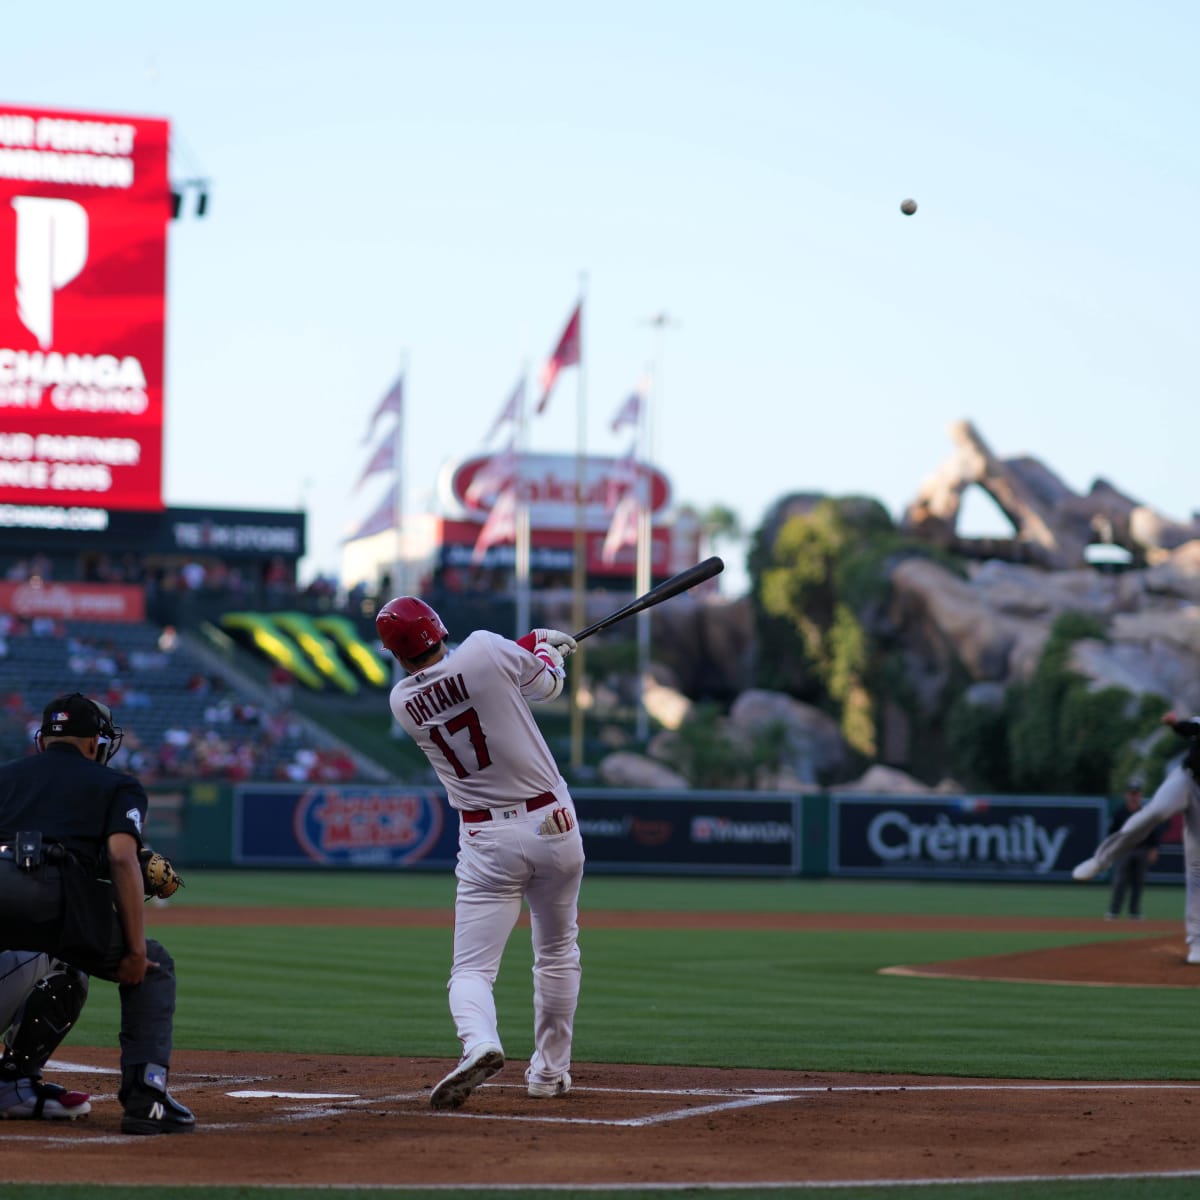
[257, 1095]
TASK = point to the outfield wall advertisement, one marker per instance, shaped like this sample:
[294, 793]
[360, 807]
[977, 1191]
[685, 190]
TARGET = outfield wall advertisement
[84, 207]
[1018, 838]
[963, 837]
[350, 825]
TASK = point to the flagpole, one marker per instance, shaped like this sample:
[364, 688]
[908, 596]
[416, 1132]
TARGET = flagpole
[523, 533]
[400, 571]
[579, 565]
[642, 585]
[645, 547]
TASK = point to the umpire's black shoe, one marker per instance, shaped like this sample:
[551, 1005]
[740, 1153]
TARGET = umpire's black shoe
[149, 1107]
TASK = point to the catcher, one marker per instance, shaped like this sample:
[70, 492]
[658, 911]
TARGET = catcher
[73, 881]
[40, 1000]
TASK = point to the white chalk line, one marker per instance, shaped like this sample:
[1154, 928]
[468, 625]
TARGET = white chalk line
[727, 1100]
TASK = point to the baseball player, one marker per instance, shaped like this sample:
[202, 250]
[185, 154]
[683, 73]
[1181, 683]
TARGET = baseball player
[1129, 869]
[40, 1000]
[468, 710]
[1179, 792]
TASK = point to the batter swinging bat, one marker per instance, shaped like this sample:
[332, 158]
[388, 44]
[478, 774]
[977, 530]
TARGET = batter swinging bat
[656, 595]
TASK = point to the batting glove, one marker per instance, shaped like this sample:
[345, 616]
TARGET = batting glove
[550, 655]
[564, 642]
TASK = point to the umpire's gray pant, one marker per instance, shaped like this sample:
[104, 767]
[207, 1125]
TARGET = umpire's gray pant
[31, 919]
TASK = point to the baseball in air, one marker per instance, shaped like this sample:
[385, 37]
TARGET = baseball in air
[908, 207]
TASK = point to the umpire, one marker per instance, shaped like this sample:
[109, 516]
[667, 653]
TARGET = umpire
[71, 885]
[1129, 870]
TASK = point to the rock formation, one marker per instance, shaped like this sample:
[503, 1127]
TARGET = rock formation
[1052, 525]
[993, 625]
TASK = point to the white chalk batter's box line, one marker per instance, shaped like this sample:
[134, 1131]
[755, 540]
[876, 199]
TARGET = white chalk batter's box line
[734, 1098]
[308, 1106]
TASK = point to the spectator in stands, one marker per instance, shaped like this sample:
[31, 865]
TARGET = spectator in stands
[280, 682]
[193, 574]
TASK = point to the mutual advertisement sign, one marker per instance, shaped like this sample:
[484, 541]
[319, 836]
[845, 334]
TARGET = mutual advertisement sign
[342, 826]
[74, 601]
[84, 206]
[963, 837]
[709, 833]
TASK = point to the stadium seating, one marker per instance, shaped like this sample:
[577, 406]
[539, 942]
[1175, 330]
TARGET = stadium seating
[182, 720]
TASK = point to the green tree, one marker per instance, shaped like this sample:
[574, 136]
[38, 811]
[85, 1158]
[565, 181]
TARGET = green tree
[815, 643]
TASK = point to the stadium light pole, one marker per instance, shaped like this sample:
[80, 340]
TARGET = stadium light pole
[579, 565]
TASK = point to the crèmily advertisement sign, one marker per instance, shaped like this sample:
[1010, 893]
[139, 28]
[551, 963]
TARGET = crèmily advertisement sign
[963, 837]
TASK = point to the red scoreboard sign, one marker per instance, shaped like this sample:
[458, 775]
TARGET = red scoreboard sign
[84, 206]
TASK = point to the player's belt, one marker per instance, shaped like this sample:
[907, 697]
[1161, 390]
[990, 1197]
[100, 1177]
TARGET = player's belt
[472, 816]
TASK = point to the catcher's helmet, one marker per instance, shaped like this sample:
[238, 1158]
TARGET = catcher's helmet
[408, 627]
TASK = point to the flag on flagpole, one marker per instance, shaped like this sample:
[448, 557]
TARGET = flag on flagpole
[624, 528]
[630, 413]
[392, 402]
[622, 479]
[384, 459]
[566, 354]
[510, 414]
[492, 478]
[383, 518]
[501, 524]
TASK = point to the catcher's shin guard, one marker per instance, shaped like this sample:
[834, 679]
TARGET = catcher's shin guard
[149, 1107]
[46, 1017]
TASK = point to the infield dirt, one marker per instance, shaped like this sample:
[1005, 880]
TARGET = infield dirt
[273, 1119]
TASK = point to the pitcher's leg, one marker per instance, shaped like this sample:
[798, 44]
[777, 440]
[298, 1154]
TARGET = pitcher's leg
[1191, 869]
[1173, 796]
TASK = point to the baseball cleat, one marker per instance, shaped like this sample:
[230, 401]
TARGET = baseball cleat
[149, 1108]
[1088, 869]
[32, 1100]
[482, 1063]
[1193, 955]
[554, 1087]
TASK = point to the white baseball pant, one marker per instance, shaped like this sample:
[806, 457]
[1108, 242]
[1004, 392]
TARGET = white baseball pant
[500, 863]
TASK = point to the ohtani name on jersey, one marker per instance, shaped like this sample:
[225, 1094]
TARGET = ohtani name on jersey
[436, 698]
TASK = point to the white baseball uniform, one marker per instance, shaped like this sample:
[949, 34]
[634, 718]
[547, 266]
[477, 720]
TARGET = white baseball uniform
[518, 837]
[1179, 792]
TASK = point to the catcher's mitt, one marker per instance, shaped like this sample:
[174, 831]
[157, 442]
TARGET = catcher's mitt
[158, 876]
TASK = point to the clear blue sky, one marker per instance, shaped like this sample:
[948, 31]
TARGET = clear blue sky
[424, 183]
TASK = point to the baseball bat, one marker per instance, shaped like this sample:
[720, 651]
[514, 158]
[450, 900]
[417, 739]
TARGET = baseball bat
[656, 595]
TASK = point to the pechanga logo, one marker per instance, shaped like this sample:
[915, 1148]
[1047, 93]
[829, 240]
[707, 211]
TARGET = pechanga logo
[364, 826]
[52, 248]
[895, 836]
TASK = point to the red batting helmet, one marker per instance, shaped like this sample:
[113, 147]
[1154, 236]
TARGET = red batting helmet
[408, 627]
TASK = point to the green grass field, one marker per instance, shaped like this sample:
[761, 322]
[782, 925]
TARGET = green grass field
[797, 1000]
